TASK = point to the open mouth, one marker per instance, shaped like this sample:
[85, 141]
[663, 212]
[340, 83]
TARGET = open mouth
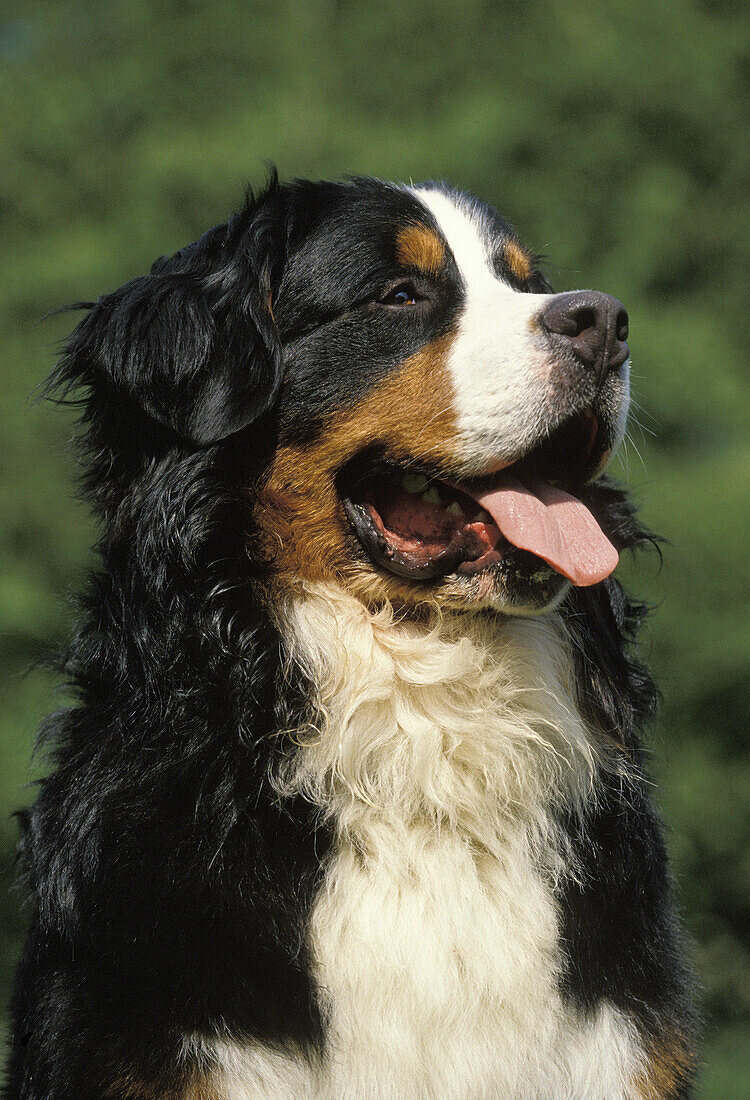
[422, 526]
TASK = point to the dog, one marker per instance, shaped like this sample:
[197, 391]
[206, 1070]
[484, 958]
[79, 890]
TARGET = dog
[351, 803]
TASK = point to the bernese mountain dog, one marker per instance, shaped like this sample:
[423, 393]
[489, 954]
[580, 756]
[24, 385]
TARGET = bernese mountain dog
[351, 802]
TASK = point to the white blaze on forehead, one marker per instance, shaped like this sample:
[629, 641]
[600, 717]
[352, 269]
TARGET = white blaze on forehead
[499, 365]
[465, 233]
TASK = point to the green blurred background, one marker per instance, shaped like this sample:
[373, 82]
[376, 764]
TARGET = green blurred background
[615, 136]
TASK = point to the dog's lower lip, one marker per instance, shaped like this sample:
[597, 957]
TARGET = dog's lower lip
[467, 546]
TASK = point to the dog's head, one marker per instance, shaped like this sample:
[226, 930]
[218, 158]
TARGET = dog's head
[431, 413]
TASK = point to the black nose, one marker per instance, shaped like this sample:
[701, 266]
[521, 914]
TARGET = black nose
[593, 325]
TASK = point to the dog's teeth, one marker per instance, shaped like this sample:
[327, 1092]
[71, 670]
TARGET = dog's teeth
[455, 509]
[480, 517]
[431, 496]
[414, 483]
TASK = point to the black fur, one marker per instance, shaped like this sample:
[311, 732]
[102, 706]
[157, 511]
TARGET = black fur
[622, 940]
[169, 885]
[157, 825]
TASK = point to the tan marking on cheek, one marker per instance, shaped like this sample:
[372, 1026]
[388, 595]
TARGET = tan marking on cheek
[410, 415]
[671, 1063]
[518, 260]
[420, 247]
[202, 1089]
[129, 1086]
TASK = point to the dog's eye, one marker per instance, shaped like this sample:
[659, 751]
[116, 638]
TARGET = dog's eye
[402, 295]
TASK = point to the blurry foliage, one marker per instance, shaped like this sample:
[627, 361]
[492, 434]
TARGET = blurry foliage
[614, 136]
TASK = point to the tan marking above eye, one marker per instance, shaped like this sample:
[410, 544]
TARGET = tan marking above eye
[518, 260]
[422, 248]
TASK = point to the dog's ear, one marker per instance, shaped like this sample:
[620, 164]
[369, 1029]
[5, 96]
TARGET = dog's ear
[193, 344]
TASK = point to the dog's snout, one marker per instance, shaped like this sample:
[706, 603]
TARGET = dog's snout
[593, 325]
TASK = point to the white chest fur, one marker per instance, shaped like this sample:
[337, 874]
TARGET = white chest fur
[439, 756]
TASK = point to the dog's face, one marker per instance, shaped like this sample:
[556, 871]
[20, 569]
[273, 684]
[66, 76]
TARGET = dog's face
[436, 410]
[422, 356]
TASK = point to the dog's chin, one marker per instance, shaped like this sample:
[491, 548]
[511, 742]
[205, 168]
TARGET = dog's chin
[520, 585]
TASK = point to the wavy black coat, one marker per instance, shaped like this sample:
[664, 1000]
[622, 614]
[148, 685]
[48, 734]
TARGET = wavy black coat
[168, 885]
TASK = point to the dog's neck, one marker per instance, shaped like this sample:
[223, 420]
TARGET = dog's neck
[466, 723]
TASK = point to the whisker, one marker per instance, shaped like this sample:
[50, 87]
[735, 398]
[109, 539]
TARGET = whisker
[633, 445]
[642, 409]
[641, 427]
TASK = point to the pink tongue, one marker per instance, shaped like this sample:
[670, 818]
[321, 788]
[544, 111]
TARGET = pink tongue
[552, 524]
